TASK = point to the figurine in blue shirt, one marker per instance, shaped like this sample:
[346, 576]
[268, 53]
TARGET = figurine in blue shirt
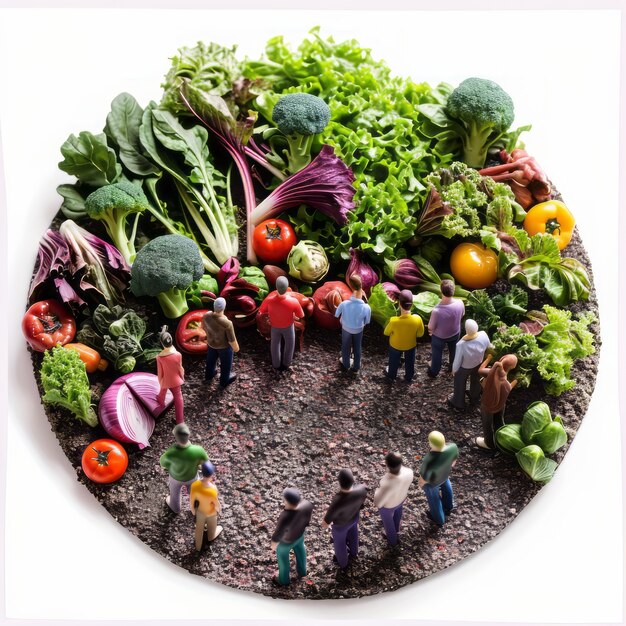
[353, 314]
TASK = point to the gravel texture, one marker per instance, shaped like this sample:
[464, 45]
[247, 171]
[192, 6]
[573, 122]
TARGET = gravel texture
[268, 431]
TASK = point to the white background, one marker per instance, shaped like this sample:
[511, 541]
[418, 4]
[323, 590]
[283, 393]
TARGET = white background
[561, 560]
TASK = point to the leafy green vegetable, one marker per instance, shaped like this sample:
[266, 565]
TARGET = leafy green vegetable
[373, 128]
[509, 438]
[424, 303]
[120, 335]
[533, 461]
[256, 276]
[382, 306]
[493, 311]
[89, 158]
[536, 418]
[65, 382]
[198, 294]
[551, 438]
[552, 352]
[539, 265]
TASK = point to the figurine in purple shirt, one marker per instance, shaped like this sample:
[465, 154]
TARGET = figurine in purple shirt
[343, 514]
[470, 351]
[354, 314]
[444, 327]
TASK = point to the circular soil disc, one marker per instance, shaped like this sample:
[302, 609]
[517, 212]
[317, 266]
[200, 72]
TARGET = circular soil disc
[268, 431]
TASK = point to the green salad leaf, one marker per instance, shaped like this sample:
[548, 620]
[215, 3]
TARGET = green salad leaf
[534, 462]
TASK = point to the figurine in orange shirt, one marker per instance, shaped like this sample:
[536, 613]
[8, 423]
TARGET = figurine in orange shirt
[170, 373]
[283, 309]
[205, 505]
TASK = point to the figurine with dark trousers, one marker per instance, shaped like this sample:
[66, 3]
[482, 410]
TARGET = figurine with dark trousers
[470, 352]
[444, 327]
[170, 374]
[181, 462]
[343, 514]
[403, 332]
[289, 535]
[220, 335]
[391, 493]
[282, 309]
[496, 389]
[354, 314]
[205, 505]
[434, 477]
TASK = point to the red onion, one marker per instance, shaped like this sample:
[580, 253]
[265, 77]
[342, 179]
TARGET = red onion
[405, 272]
[129, 406]
[228, 272]
[392, 291]
[357, 265]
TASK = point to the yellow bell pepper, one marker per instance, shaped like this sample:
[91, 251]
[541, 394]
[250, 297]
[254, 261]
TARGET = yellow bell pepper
[553, 218]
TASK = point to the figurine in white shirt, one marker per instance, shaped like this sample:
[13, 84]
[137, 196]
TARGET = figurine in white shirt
[470, 352]
[391, 494]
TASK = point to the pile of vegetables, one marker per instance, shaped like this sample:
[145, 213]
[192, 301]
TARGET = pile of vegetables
[326, 166]
[538, 434]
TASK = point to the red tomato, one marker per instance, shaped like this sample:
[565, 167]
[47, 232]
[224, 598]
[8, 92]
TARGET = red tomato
[272, 240]
[104, 461]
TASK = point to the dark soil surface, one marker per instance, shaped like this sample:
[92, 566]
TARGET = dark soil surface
[268, 431]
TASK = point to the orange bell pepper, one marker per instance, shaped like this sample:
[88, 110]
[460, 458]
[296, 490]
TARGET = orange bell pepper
[553, 218]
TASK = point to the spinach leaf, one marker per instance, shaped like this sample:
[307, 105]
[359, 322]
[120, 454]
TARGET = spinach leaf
[89, 158]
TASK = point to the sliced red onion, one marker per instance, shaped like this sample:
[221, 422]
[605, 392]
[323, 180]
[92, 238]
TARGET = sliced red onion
[129, 406]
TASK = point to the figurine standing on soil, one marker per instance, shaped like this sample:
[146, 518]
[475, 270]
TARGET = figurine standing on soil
[403, 333]
[289, 535]
[354, 314]
[181, 462]
[391, 494]
[171, 374]
[205, 505]
[343, 514]
[434, 480]
[282, 309]
[220, 335]
[444, 327]
[470, 351]
[496, 389]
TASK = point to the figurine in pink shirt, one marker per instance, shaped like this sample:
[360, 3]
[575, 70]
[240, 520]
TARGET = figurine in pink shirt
[170, 373]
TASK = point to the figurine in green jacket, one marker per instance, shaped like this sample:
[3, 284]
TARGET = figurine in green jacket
[181, 461]
[434, 477]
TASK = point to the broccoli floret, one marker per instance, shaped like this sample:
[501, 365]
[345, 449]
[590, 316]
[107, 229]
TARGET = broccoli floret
[300, 116]
[165, 268]
[112, 204]
[485, 112]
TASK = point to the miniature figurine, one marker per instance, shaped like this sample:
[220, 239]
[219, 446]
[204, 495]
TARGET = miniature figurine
[496, 389]
[181, 462]
[470, 351]
[220, 335]
[433, 478]
[343, 514]
[289, 535]
[354, 314]
[283, 309]
[403, 333]
[170, 373]
[391, 494]
[205, 505]
[444, 327]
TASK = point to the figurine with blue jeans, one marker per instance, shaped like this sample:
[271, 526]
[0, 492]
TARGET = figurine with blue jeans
[434, 477]
[222, 343]
[354, 314]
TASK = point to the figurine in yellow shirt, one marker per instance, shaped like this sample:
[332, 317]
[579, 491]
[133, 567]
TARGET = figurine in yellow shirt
[205, 504]
[403, 332]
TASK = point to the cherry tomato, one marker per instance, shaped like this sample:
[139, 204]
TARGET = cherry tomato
[473, 265]
[104, 461]
[272, 240]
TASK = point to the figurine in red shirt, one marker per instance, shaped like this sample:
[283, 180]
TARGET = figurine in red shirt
[170, 373]
[282, 309]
